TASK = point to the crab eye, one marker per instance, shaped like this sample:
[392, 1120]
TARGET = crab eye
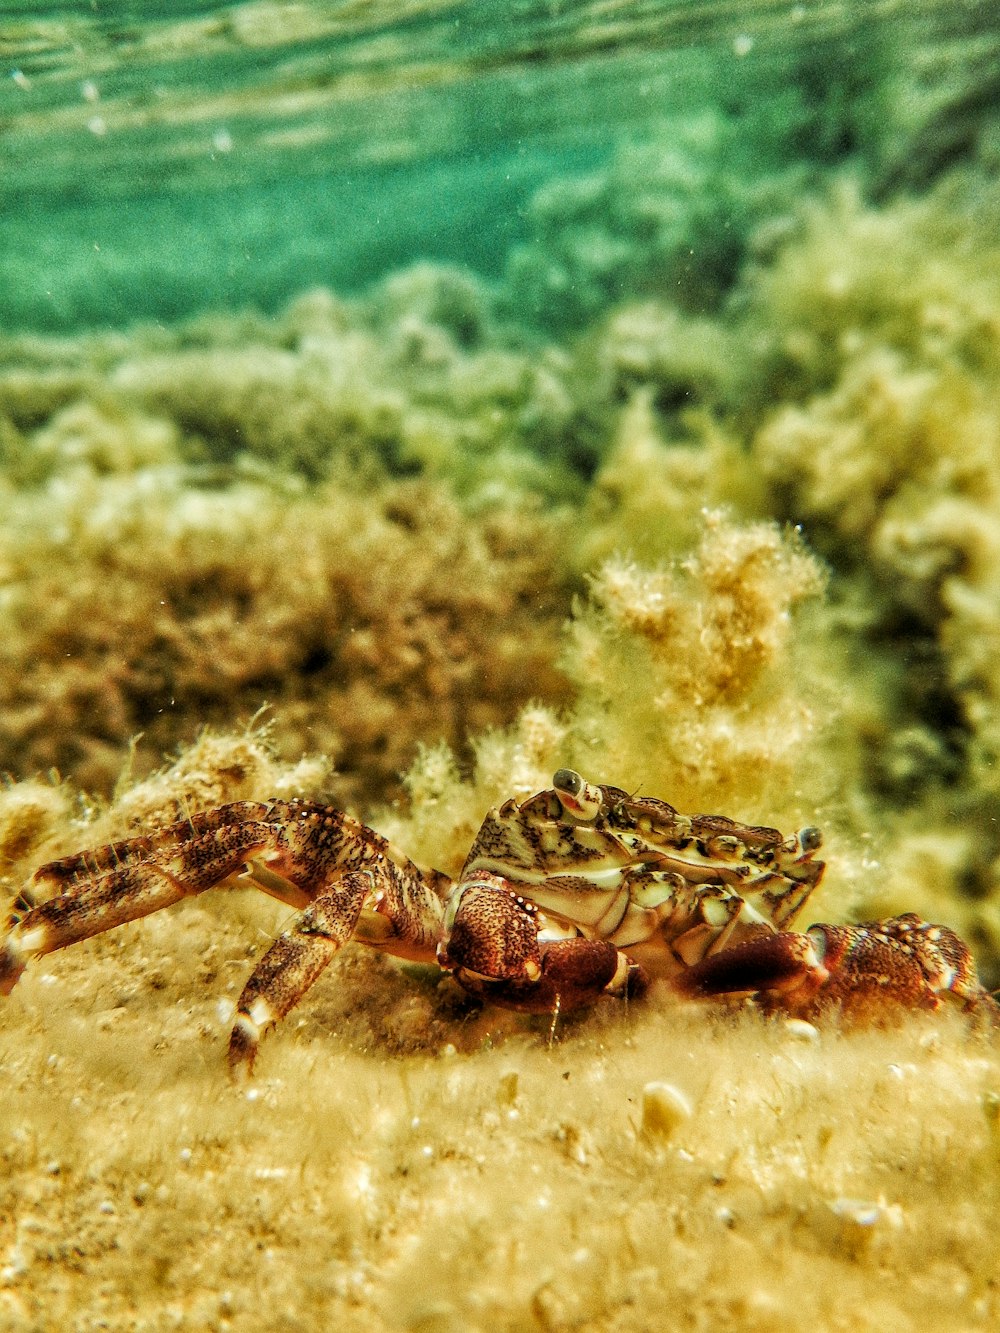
[580, 798]
[810, 838]
[567, 781]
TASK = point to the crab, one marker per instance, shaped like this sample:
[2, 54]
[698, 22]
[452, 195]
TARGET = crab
[578, 893]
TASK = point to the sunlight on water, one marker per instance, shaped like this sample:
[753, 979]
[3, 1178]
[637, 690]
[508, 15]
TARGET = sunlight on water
[160, 159]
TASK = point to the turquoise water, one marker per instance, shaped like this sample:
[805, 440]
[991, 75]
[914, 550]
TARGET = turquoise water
[159, 160]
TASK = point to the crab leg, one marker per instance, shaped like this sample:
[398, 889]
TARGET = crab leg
[151, 873]
[294, 961]
[382, 906]
[219, 827]
[865, 971]
[296, 851]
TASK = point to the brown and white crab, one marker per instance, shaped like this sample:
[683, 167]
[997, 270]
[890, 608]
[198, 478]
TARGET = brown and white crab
[577, 893]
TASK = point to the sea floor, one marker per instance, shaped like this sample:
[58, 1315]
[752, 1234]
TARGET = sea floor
[405, 1160]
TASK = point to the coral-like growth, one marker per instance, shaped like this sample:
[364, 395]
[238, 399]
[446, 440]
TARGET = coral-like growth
[215, 769]
[214, 517]
[917, 276]
[369, 620]
[31, 813]
[649, 497]
[446, 806]
[692, 679]
[887, 333]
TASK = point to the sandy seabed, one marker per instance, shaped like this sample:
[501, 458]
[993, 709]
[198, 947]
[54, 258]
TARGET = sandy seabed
[405, 1160]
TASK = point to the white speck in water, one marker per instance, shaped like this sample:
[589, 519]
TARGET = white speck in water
[363, 1181]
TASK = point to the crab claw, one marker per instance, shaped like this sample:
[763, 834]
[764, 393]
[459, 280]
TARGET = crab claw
[785, 969]
[868, 971]
[494, 949]
[492, 933]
